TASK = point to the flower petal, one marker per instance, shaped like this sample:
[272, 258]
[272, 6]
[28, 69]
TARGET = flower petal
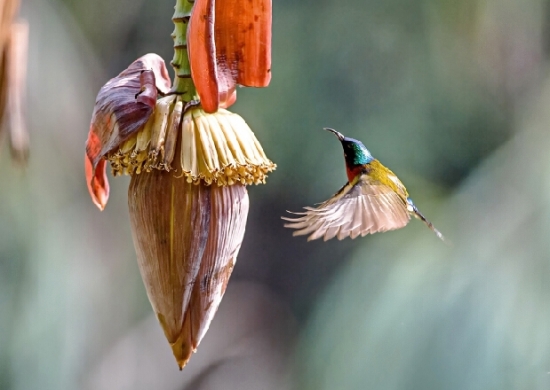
[96, 179]
[243, 40]
[170, 223]
[229, 43]
[122, 108]
[229, 208]
[201, 49]
[221, 148]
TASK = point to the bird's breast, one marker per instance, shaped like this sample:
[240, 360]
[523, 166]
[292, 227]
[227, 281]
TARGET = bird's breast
[354, 171]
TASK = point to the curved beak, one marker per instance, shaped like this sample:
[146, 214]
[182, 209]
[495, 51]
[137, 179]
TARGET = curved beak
[337, 134]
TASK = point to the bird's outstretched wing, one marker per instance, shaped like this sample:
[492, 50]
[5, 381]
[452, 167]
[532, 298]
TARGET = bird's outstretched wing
[356, 210]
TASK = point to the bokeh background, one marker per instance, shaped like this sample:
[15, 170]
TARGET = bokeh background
[453, 96]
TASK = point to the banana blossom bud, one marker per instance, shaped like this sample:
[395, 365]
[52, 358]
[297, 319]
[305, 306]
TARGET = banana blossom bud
[187, 238]
[187, 197]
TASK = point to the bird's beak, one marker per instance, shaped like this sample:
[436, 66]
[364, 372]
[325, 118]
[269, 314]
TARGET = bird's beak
[339, 135]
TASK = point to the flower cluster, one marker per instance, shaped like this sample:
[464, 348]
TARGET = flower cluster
[215, 148]
[189, 158]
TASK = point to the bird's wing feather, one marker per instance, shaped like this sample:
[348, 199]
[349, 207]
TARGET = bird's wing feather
[357, 209]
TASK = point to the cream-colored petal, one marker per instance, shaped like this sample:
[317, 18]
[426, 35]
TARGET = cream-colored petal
[216, 148]
[226, 150]
[158, 135]
[189, 148]
[174, 123]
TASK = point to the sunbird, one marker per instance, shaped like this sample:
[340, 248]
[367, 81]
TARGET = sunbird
[373, 200]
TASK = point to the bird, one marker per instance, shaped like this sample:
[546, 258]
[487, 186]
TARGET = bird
[373, 200]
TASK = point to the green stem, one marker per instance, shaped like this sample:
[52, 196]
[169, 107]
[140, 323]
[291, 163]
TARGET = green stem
[183, 84]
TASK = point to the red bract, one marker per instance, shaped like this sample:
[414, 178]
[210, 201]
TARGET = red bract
[122, 108]
[229, 43]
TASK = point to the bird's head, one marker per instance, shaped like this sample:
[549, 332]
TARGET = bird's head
[355, 152]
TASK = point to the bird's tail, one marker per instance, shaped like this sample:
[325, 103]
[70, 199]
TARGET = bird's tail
[419, 215]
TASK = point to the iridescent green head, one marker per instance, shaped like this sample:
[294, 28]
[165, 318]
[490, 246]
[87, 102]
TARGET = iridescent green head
[355, 152]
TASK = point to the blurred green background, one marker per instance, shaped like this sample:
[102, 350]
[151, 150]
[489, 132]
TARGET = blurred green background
[453, 96]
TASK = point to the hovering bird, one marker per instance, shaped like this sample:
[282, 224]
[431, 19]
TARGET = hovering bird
[373, 200]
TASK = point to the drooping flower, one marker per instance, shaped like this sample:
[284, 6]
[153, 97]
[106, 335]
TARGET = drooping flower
[122, 108]
[190, 166]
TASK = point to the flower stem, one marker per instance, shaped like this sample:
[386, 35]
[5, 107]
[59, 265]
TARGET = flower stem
[183, 84]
